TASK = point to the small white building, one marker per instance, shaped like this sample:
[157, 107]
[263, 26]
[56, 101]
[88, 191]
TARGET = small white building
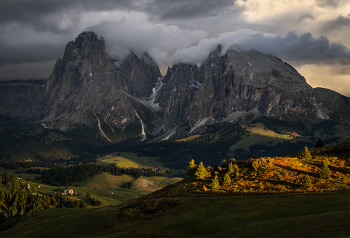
[68, 191]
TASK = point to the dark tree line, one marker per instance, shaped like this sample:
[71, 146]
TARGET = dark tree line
[211, 149]
[80, 173]
[21, 199]
[92, 200]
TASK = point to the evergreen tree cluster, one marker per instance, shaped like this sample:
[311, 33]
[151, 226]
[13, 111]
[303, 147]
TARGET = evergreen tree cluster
[69, 175]
[21, 200]
[92, 200]
[210, 149]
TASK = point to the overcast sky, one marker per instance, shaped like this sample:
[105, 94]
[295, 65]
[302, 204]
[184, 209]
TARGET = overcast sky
[311, 35]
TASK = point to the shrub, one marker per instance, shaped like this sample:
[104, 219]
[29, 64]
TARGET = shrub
[215, 184]
[307, 182]
[325, 173]
[305, 154]
[227, 180]
[263, 164]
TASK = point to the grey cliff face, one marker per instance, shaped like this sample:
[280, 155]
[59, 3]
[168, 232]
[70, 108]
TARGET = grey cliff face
[241, 86]
[87, 87]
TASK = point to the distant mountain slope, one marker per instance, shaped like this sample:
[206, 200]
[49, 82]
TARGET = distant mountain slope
[240, 86]
[89, 88]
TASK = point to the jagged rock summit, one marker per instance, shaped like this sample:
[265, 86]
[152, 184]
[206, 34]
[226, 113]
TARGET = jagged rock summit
[240, 86]
[87, 85]
[89, 88]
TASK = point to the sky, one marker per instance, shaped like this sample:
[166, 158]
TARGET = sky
[311, 35]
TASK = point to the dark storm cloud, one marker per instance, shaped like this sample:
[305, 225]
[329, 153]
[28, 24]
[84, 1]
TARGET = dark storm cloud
[340, 23]
[292, 47]
[299, 47]
[184, 9]
[36, 52]
[60, 16]
[329, 3]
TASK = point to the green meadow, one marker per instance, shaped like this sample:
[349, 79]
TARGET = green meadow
[287, 215]
[130, 160]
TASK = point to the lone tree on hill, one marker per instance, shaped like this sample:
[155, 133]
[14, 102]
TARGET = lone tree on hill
[305, 154]
[191, 169]
[227, 180]
[319, 143]
[201, 172]
[325, 173]
[215, 184]
[307, 182]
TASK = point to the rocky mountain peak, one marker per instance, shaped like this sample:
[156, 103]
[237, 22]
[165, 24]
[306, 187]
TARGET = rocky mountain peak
[235, 85]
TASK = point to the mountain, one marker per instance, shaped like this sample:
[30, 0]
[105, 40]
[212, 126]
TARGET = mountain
[22, 99]
[240, 86]
[89, 88]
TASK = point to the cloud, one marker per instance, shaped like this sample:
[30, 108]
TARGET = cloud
[184, 9]
[63, 16]
[57, 16]
[291, 47]
[31, 70]
[330, 3]
[327, 76]
[340, 23]
[140, 36]
[26, 46]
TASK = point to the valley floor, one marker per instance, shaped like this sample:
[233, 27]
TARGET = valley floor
[287, 215]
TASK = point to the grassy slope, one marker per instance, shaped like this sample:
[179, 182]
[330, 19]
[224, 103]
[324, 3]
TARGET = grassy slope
[258, 133]
[130, 160]
[99, 186]
[24, 175]
[163, 181]
[293, 215]
[191, 137]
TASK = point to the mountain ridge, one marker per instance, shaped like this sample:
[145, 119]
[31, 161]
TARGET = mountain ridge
[88, 86]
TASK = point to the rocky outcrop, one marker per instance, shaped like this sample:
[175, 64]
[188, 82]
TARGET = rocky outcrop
[22, 100]
[87, 87]
[87, 82]
[240, 86]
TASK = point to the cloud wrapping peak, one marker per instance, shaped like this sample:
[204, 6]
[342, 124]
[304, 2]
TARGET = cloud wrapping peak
[292, 47]
[159, 40]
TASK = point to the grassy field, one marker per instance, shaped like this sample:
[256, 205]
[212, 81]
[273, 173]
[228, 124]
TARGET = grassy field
[106, 181]
[259, 134]
[24, 175]
[102, 186]
[188, 138]
[53, 137]
[163, 181]
[292, 215]
[119, 195]
[130, 160]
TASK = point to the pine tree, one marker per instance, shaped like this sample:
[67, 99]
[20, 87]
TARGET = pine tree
[305, 154]
[319, 143]
[215, 184]
[231, 169]
[88, 197]
[227, 180]
[201, 172]
[191, 169]
[325, 173]
[307, 182]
